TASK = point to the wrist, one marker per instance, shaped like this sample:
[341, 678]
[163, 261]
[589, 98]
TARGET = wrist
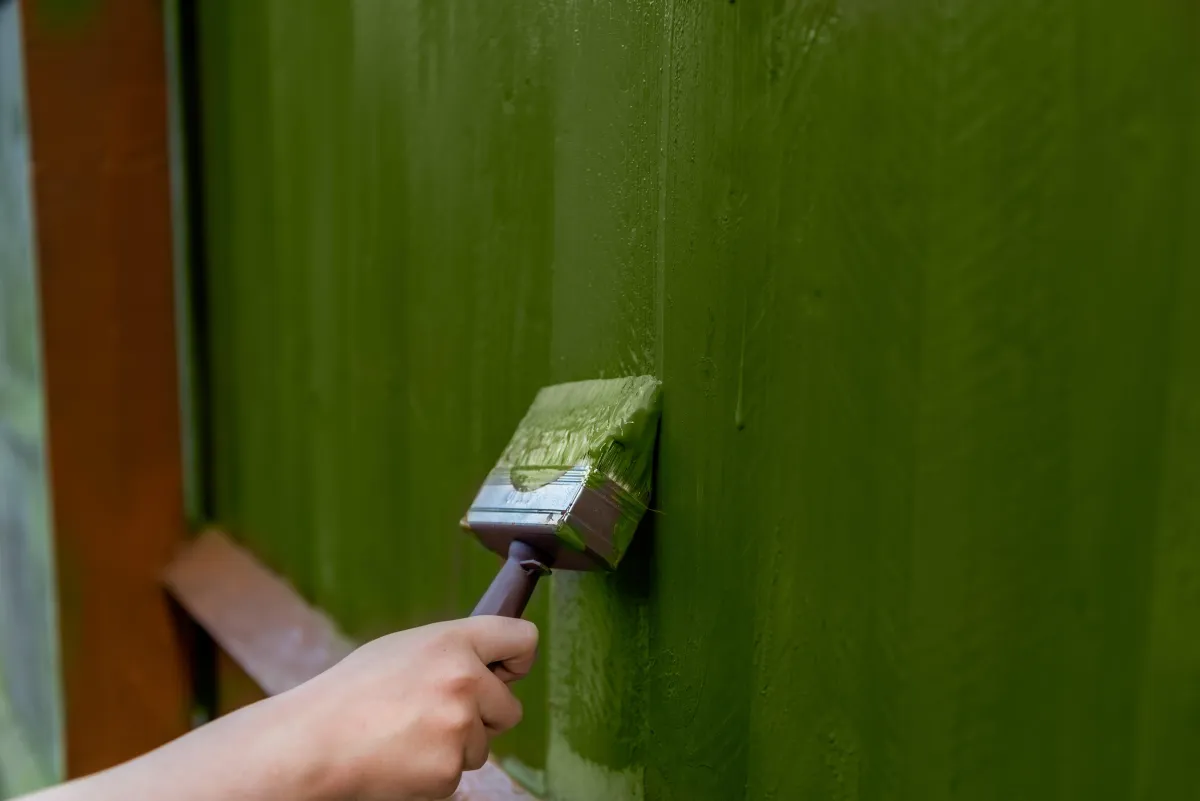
[296, 750]
[267, 751]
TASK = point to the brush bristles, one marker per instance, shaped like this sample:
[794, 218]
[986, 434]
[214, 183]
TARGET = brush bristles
[609, 424]
[581, 461]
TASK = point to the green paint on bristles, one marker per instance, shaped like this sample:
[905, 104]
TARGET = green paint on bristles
[570, 537]
[604, 426]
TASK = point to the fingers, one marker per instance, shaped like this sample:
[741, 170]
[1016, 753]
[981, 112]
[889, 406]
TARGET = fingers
[509, 641]
[517, 667]
[498, 707]
[507, 676]
[475, 751]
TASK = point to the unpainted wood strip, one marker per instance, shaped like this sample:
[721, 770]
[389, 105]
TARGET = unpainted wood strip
[97, 112]
[260, 621]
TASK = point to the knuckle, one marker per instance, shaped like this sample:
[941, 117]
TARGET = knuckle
[451, 723]
[446, 774]
[459, 683]
[459, 719]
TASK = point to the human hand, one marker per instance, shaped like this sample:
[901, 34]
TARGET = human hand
[403, 716]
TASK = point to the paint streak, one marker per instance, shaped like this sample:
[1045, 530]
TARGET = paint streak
[379, 290]
[935, 258]
[608, 425]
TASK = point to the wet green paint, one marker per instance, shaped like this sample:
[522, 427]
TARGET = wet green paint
[378, 186]
[606, 427]
[917, 278]
[571, 537]
[607, 424]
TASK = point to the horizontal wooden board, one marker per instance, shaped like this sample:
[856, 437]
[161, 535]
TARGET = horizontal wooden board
[273, 634]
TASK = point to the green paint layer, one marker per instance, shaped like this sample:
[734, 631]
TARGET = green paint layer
[605, 426]
[378, 184]
[918, 280]
[609, 425]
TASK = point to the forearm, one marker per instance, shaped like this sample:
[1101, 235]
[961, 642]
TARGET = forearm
[400, 718]
[255, 754]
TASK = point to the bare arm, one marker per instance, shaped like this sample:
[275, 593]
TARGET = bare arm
[248, 755]
[400, 718]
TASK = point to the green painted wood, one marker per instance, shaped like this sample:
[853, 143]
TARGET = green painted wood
[30, 696]
[379, 243]
[918, 278]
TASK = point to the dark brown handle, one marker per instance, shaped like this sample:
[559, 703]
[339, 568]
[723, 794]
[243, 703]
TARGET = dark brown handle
[513, 585]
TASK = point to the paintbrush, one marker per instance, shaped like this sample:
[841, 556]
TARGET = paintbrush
[570, 488]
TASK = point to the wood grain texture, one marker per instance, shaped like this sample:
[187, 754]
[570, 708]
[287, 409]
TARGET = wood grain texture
[349, 434]
[97, 114]
[919, 280]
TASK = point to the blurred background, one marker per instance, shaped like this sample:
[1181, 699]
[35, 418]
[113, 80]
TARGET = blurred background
[914, 274]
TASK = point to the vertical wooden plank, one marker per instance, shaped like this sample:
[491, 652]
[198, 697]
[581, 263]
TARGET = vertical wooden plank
[606, 309]
[98, 115]
[379, 180]
[917, 279]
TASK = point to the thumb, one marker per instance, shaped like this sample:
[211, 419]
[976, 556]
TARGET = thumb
[507, 640]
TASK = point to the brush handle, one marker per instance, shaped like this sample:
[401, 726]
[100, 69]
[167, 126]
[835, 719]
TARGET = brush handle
[513, 585]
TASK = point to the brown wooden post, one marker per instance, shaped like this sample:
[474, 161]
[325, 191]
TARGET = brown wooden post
[97, 96]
